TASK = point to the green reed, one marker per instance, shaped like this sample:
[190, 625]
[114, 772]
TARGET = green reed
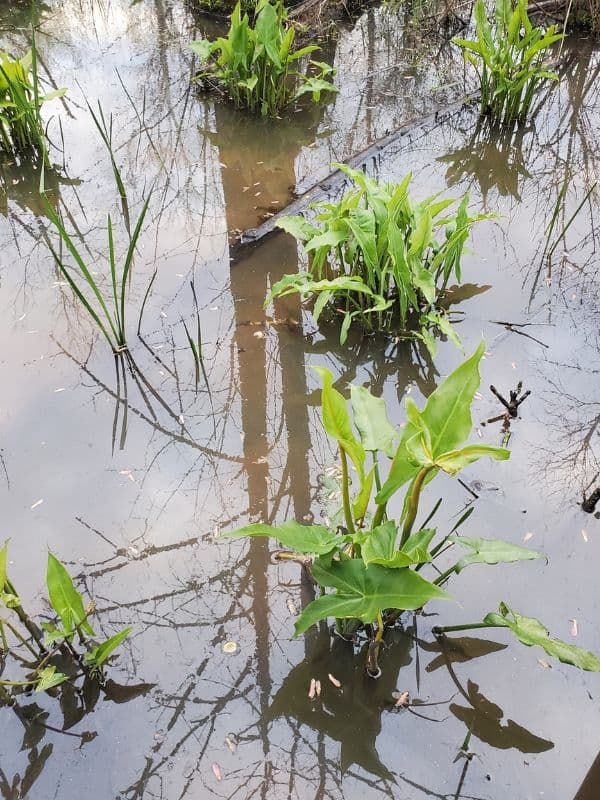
[106, 310]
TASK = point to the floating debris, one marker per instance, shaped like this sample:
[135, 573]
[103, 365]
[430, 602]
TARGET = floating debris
[230, 647]
[334, 680]
[217, 772]
[402, 699]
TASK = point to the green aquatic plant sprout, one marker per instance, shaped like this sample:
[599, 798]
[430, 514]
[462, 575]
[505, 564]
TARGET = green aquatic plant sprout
[379, 258]
[21, 100]
[370, 566]
[108, 313]
[43, 648]
[257, 66]
[509, 57]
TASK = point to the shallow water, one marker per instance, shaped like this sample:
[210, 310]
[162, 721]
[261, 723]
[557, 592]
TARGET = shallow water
[136, 480]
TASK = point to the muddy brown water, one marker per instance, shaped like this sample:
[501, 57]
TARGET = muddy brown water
[135, 481]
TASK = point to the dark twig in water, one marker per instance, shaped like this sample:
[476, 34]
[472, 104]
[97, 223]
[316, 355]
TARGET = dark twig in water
[512, 405]
[468, 488]
[513, 328]
[589, 503]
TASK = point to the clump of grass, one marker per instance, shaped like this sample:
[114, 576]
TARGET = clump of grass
[379, 258]
[107, 312]
[256, 65]
[509, 57]
[21, 124]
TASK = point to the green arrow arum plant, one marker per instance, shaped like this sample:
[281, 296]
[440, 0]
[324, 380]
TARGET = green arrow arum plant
[21, 100]
[509, 57]
[42, 648]
[370, 566]
[380, 259]
[257, 67]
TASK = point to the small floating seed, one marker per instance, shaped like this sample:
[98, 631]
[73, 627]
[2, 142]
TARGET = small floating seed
[292, 607]
[334, 680]
[217, 772]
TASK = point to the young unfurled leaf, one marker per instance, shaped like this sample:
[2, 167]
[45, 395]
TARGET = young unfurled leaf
[300, 538]
[361, 501]
[456, 460]
[364, 591]
[446, 418]
[3, 560]
[336, 421]
[416, 546]
[491, 551]
[447, 412]
[371, 419]
[532, 632]
[379, 547]
[7, 599]
[65, 599]
[48, 678]
[98, 655]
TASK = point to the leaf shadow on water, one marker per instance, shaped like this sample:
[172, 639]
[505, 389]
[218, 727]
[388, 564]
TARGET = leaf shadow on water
[352, 713]
[492, 158]
[483, 718]
[75, 704]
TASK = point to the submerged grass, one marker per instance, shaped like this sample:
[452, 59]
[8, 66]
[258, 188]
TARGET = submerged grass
[550, 248]
[196, 344]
